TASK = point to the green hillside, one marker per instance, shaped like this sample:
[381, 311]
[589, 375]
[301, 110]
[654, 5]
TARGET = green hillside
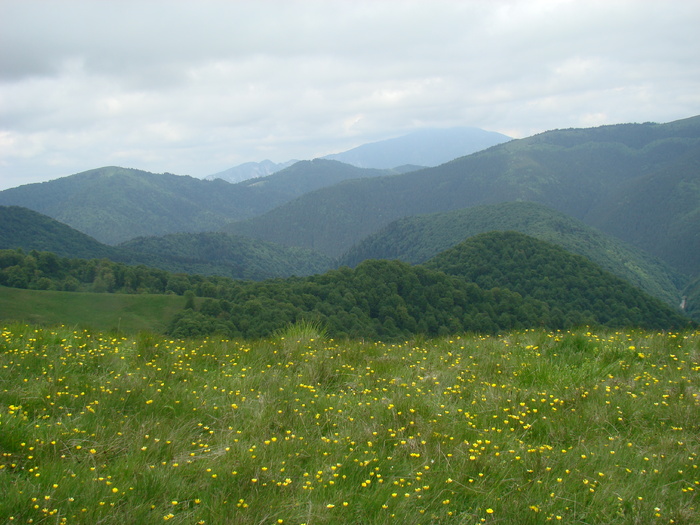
[199, 253]
[98, 311]
[115, 204]
[489, 286]
[569, 284]
[575, 171]
[228, 255]
[659, 212]
[29, 230]
[416, 239]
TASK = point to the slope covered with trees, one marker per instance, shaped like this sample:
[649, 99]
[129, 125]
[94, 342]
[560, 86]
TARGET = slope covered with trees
[30, 230]
[659, 212]
[200, 253]
[416, 239]
[115, 204]
[576, 290]
[228, 255]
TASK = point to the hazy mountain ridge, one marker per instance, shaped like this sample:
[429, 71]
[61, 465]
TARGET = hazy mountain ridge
[422, 148]
[426, 147]
[250, 170]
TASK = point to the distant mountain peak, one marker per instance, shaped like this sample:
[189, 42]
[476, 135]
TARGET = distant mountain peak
[250, 170]
[424, 147]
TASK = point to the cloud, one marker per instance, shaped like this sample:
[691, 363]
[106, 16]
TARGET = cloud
[197, 87]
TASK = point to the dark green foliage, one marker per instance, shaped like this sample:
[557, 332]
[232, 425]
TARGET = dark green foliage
[378, 299]
[577, 291]
[416, 239]
[46, 271]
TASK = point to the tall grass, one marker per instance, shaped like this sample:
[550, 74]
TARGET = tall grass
[529, 427]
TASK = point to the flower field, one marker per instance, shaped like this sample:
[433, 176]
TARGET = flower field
[529, 427]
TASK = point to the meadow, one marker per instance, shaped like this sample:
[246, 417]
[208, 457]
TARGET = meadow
[528, 427]
[124, 312]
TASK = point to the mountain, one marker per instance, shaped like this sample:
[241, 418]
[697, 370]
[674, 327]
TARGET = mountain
[418, 238]
[569, 284]
[250, 170]
[308, 175]
[201, 253]
[426, 147]
[115, 204]
[576, 171]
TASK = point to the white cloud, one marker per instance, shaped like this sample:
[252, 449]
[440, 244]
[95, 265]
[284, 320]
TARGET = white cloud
[196, 87]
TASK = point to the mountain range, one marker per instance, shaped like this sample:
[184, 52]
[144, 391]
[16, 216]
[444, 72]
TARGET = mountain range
[638, 182]
[422, 148]
[625, 196]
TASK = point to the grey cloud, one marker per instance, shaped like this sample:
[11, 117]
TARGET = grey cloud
[196, 87]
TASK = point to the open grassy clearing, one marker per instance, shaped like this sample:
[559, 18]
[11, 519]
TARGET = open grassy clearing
[129, 313]
[528, 427]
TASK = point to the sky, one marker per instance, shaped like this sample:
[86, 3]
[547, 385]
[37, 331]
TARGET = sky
[196, 87]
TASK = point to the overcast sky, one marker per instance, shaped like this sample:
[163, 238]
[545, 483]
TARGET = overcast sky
[198, 87]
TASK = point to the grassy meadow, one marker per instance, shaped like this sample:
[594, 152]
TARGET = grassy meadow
[528, 427]
[129, 313]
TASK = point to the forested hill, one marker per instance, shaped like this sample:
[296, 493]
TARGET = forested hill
[416, 239]
[224, 254]
[569, 284]
[27, 229]
[574, 171]
[214, 253]
[115, 204]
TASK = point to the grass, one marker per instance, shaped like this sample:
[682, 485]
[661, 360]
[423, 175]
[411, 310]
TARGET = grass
[128, 313]
[529, 427]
